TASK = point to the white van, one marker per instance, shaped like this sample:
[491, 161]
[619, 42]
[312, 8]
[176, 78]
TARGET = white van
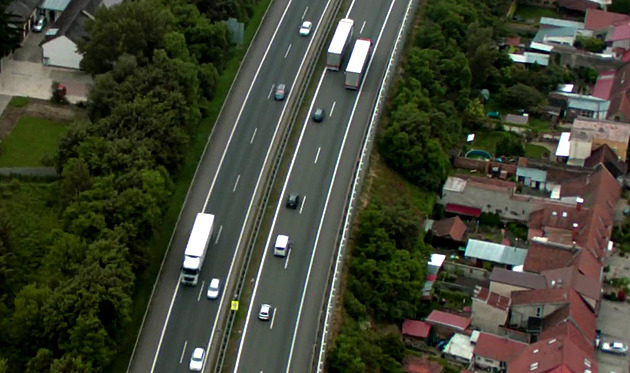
[282, 245]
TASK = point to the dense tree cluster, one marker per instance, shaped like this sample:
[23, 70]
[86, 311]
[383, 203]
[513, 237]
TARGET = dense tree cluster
[10, 36]
[156, 65]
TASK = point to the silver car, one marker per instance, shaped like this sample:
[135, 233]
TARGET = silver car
[214, 288]
[265, 312]
[615, 348]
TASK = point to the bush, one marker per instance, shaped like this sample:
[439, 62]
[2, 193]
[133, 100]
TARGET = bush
[490, 220]
[621, 296]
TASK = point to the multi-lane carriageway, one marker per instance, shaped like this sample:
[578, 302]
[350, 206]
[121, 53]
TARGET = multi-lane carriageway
[229, 175]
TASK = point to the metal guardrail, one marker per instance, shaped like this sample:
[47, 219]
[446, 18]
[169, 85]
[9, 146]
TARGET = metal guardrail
[328, 21]
[359, 172]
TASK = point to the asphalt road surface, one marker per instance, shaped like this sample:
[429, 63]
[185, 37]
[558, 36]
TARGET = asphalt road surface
[321, 172]
[181, 318]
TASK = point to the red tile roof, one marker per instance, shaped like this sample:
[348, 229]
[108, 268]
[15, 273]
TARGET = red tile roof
[417, 364]
[619, 100]
[576, 312]
[541, 296]
[570, 331]
[553, 355]
[498, 348]
[588, 265]
[448, 319]
[453, 228]
[463, 210]
[416, 328]
[544, 257]
[570, 277]
[596, 19]
[621, 32]
[604, 83]
[491, 298]
[520, 279]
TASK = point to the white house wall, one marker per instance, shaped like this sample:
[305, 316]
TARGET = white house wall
[61, 52]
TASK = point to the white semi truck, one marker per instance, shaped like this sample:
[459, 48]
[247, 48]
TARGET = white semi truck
[196, 248]
[358, 63]
[339, 43]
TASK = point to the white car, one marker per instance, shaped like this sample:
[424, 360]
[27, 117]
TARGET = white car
[214, 288]
[196, 360]
[305, 29]
[615, 348]
[265, 312]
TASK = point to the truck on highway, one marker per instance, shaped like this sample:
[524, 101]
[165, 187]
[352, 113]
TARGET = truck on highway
[196, 248]
[339, 43]
[358, 63]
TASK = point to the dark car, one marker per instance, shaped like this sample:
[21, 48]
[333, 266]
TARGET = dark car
[39, 24]
[281, 91]
[318, 115]
[598, 338]
[293, 201]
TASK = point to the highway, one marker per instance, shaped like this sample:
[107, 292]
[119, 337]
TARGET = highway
[321, 171]
[181, 318]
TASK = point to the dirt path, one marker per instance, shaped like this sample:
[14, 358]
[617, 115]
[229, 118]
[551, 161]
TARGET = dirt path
[39, 109]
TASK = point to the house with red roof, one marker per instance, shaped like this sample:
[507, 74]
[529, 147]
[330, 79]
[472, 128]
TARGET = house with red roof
[446, 324]
[451, 229]
[589, 289]
[504, 281]
[496, 353]
[614, 86]
[558, 354]
[416, 333]
[489, 310]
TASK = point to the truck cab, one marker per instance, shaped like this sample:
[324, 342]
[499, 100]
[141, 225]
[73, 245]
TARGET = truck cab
[282, 246]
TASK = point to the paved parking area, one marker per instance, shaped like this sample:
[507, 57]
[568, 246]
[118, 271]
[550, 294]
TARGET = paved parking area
[614, 322]
[30, 51]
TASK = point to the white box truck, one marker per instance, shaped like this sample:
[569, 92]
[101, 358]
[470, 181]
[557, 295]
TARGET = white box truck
[282, 246]
[339, 43]
[358, 63]
[196, 248]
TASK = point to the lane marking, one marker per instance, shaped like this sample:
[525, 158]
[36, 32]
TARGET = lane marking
[273, 318]
[201, 289]
[332, 109]
[350, 9]
[236, 183]
[362, 27]
[254, 135]
[288, 49]
[332, 182]
[286, 261]
[181, 358]
[317, 155]
[268, 244]
[218, 235]
[302, 206]
[270, 91]
[304, 14]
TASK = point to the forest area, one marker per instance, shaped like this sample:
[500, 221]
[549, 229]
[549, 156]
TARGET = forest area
[68, 284]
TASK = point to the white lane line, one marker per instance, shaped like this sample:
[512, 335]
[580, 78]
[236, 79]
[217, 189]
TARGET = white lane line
[236, 183]
[304, 14]
[218, 235]
[317, 155]
[250, 307]
[332, 109]
[287, 53]
[302, 205]
[362, 27]
[214, 180]
[286, 261]
[181, 358]
[273, 318]
[201, 290]
[350, 9]
[254, 135]
[270, 91]
[332, 182]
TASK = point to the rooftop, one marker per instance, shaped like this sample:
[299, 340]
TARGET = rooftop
[597, 19]
[494, 252]
[570, 277]
[490, 298]
[416, 328]
[448, 319]
[601, 129]
[553, 355]
[453, 228]
[460, 346]
[498, 348]
[520, 279]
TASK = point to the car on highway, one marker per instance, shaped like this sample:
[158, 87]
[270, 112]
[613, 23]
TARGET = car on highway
[265, 312]
[281, 91]
[40, 24]
[318, 115]
[305, 28]
[293, 201]
[615, 348]
[196, 360]
[214, 288]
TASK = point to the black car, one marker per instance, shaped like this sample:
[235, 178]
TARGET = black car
[293, 201]
[318, 115]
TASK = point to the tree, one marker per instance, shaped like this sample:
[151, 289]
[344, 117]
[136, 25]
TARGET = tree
[523, 96]
[75, 179]
[510, 146]
[10, 35]
[41, 362]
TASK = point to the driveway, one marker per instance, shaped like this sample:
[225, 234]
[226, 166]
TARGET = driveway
[32, 79]
[30, 50]
[614, 321]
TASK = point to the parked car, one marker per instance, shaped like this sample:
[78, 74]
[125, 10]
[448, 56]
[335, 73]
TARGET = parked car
[305, 29]
[39, 24]
[615, 348]
[196, 360]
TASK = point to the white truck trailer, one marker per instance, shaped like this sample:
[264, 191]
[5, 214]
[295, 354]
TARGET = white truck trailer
[196, 248]
[339, 43]
[358, 63]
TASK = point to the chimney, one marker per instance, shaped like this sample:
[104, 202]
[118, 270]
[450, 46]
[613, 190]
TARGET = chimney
[574, 233]
[580, 202]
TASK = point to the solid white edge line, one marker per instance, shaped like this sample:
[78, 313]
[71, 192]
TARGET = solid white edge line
[269, 236]
[332, 182]
[349, 9]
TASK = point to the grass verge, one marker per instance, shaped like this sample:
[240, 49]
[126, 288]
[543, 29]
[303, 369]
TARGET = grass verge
[30, 140]
[161, 238]
[18, 101]
[535, 151]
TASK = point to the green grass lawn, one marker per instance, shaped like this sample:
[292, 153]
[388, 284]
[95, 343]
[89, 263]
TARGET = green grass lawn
[487, 141]
[30, 140]
[533, 13]
[539, 124]
[535, 151]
